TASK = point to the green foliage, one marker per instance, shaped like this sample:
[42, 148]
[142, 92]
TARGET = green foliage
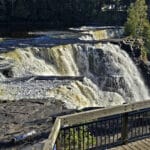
[137, 19]
[138, 26]
[146, 36]
[80, 137]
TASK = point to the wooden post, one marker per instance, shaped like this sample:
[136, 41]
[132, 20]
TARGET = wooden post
[50, 143]
[124, 132]
[58, 145]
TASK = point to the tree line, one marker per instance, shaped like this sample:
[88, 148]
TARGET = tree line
[65, 12]
[137, 27]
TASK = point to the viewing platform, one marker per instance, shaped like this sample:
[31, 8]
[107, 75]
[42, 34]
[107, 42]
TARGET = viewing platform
[125, 127]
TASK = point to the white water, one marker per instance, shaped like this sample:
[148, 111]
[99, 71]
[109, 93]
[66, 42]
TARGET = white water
[103, 61]
[111, 77]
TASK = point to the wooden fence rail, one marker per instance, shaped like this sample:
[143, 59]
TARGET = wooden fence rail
[89, 116]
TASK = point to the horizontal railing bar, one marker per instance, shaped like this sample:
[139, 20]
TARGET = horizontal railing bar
[96, 121]
[88, 116]
[141, 110]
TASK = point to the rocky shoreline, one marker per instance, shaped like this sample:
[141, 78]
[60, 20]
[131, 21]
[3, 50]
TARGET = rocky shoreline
[21, 117]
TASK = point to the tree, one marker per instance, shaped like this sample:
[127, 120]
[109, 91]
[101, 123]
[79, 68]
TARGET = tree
[138, 26]
[137, 19]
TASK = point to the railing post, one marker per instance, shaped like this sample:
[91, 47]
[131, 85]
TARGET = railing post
[50, 143]
[124, 129]
[58, 145]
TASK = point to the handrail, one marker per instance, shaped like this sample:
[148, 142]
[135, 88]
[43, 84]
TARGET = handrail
[53, 136]
[98, 113]
[88, 116]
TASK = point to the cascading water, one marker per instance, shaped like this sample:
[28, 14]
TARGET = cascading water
[111, 78]
[119, 74]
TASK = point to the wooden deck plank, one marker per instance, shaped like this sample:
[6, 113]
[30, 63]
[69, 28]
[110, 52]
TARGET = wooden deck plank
[137, 145]
[148, 139]
[132, 147]
[143, 145]
[126, 147]
[146, 143]
[117, 148]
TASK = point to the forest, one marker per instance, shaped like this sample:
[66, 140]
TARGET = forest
[65, 13]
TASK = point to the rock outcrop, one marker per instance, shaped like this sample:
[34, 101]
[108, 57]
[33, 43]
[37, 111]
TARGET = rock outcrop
[145, 70]
[134, 50]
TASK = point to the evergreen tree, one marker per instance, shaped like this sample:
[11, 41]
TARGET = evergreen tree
[138, 26]
[137, 19]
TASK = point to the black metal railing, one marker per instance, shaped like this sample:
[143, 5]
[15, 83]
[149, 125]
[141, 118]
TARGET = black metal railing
[105, 132]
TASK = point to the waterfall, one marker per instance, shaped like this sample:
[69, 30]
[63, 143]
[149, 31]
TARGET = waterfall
[110, 76]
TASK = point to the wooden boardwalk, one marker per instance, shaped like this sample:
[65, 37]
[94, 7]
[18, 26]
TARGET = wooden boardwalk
[128, 113]
[137, 145]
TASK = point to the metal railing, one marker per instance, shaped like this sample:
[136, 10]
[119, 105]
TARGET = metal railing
[101, 128]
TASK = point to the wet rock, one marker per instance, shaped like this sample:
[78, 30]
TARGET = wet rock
[20, 117]
[6, 67]
[133, 50]
[145, 70]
